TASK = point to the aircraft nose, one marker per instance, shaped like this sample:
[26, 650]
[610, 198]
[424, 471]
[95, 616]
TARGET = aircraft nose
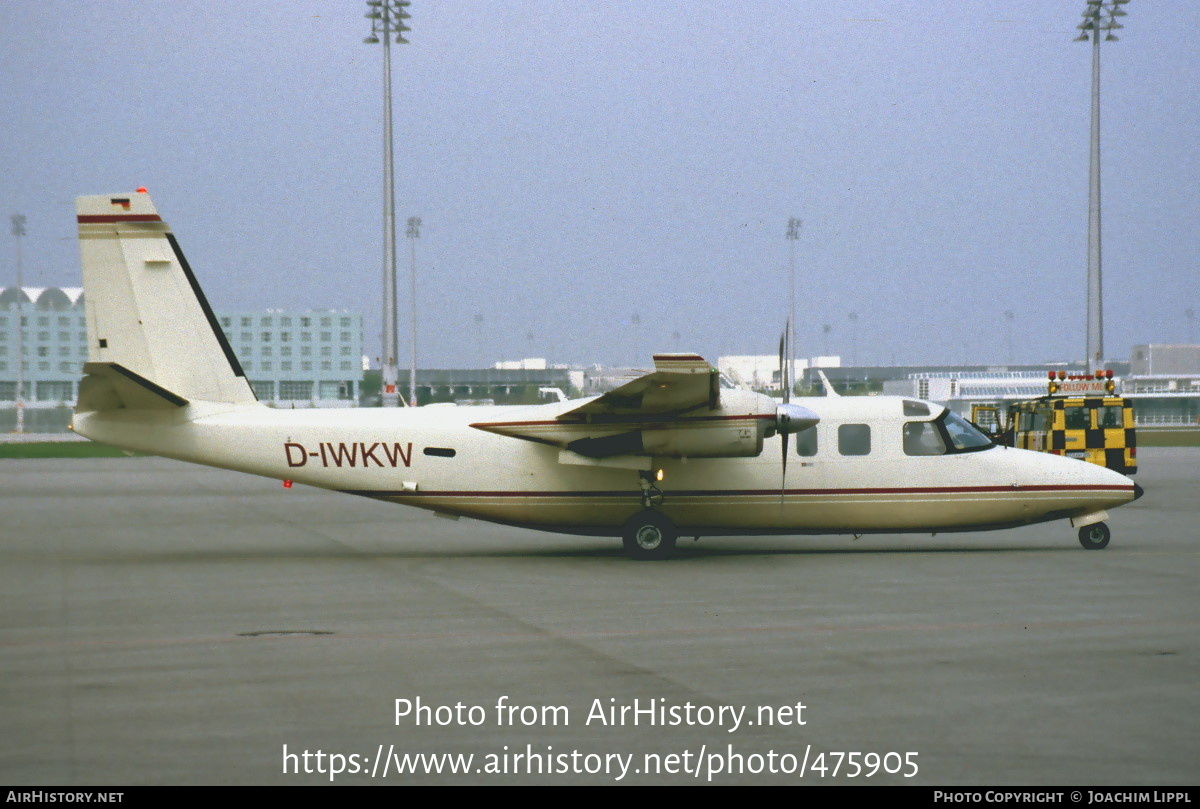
[1085, 487]
[1109, 487]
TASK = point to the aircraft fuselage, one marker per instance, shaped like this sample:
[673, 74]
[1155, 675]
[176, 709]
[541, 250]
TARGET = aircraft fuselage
[433, 458]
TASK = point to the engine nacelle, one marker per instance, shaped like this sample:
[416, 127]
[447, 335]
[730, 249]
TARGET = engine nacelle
[733, 439]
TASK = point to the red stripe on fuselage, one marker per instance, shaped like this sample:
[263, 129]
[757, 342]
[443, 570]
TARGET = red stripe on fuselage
[106, 219]
[751, 492]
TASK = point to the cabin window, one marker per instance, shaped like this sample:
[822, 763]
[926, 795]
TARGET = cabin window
[806, 442]
[1110, 417]
[1076, 418]
[854, 439]
[923, 438]
[963, 436]
[440, 452]
[1035, 421]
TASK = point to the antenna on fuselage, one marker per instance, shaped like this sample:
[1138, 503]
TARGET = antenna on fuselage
[829, 391]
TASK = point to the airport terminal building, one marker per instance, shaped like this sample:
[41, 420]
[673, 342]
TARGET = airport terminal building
[1158, 400]
[302, 359]
[315, 359]
[1161, 381]
[312, 358]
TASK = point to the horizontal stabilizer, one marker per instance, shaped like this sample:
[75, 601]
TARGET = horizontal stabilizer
[111, 386]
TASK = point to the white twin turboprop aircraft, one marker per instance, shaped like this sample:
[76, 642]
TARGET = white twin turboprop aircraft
[677, 451]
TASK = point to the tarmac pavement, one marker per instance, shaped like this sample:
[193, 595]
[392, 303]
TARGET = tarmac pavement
[171, 624]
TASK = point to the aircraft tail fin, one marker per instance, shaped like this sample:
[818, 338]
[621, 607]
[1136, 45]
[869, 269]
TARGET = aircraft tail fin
[150, 328]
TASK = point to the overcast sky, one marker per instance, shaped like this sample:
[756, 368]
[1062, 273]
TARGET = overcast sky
[604, 180]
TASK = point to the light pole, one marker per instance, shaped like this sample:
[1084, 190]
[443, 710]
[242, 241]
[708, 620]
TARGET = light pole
[636, 320]
[1100, 15]
[18, 230]
[413, 233]
[479, 339]
[387, 17]
[854, 336]
[793, 233]
[1008, 321]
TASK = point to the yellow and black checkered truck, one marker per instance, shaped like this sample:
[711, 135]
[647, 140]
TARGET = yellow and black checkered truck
[1078, 418]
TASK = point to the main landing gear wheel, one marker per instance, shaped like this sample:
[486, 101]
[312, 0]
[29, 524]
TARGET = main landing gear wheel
[649, 535]
[1094, 536]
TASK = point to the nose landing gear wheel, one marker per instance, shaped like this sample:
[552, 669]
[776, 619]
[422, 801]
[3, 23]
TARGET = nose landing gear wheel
[649, 535]
[1094, 536]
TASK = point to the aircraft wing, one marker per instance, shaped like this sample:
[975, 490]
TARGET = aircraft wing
[674, 411]
[679, 383]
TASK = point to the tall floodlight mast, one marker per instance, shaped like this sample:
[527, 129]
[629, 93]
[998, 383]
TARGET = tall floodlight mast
[1100, 15]
[387, 18]
[413, 233]
[18, 230]
[793, 233]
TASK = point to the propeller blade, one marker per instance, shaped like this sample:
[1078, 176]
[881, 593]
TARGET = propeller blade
[789, 418]
[788, 370]
[782, 373]
[783, 476]
[785, 371]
